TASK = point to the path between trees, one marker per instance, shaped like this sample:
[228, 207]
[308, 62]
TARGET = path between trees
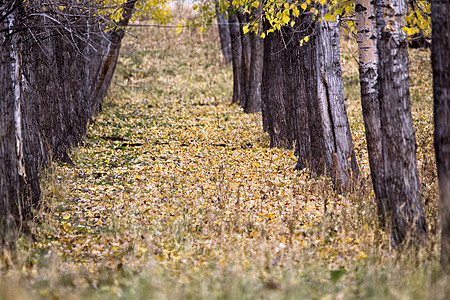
[173, 178]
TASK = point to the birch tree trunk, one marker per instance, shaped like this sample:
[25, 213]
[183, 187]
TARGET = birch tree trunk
[368, 76]
[398, 140]
[440, 16]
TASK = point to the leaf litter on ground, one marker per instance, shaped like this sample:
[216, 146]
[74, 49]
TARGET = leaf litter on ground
[174, 182]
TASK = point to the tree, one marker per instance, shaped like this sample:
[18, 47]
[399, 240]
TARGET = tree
[368, 76]
[397, 132]
[247, 56]
[224, 34]
[57, 63]
[236, 58]
[253, 103]
[303, 99]
[441, 83]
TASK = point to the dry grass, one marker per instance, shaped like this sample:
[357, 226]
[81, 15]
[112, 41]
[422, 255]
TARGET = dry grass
[193, 204]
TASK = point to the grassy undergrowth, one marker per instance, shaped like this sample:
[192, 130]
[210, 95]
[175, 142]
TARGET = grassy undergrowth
[176, 194]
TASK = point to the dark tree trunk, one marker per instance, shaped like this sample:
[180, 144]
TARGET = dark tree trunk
[224, 35]
[236, 59]
[246, 58]
[303, 100]
[275, 108]
[398, 140]
[253, 103]
[440, 16]
[368, 75]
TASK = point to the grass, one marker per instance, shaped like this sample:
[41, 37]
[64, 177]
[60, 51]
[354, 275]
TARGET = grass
[176, 194]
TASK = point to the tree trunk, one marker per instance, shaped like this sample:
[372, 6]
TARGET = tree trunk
[224, 35]
[48, 88]
[368, 75]
[14, 207]
[275, 105]
[340, 155]
[303, 100]
[398, 140]
[440, 16]
[253, 103]
[236, 59]
[246, 58]
[104, 77]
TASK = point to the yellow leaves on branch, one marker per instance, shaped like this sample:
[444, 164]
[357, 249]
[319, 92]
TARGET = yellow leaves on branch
[418, 19]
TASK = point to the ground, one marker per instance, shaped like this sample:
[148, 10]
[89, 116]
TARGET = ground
[175, 193]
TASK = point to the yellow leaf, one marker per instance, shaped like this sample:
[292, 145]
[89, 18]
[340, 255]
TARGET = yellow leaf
[179, 28]
[304, 6]
[306, 38]
[263, 35]
[255, 4]
[202, 29]
[322, 2]
[245, 29]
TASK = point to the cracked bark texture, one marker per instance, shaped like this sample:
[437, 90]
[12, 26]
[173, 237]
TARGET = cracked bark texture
[303, 99]
[398, 139]
[440, 11]
[368, 76]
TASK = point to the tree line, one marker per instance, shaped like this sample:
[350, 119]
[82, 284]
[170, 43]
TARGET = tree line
[58, 58]
[303, 104]
[57, 62]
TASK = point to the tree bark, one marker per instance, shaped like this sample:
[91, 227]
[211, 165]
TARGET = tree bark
[303, 100]
[253, 103]
[224, 35]
[368, 75]
[440, 16]
[236, 59]
[275, 106]
[340, 154]
[246, 58]
[398, 140]
[14, 206]
[108, 66]
[51, 77]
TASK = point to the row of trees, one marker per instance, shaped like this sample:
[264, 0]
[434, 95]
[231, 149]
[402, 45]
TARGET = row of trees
[303, 105]
[57, 61]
